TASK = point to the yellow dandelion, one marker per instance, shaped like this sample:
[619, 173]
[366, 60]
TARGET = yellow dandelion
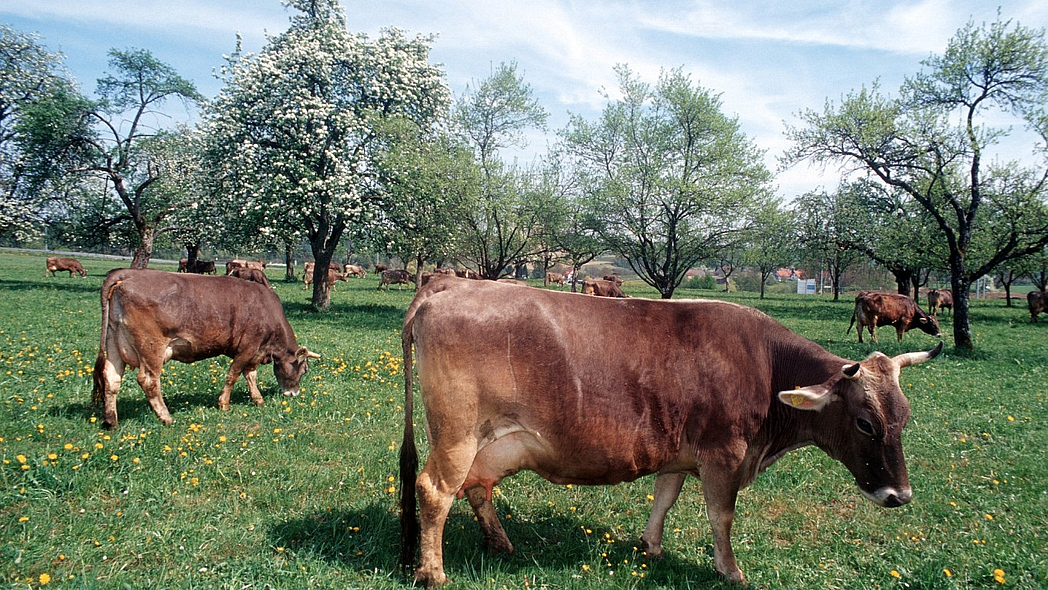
[45, 579]
[585, 567]
[896, 574]
[948, 573]
[998, 574]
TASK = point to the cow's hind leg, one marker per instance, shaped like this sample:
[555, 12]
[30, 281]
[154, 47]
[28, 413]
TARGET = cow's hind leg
[495, 537]
[149, 380]
[438, 483]
[111, 374]
[667, 488]
[251, 376]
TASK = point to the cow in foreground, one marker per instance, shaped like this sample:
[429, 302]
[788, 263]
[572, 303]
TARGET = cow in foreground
[873, 310]
[940, 299]
[708, 388]
[601, 288]
[1038, 303]
[54, 264]
[150, 317]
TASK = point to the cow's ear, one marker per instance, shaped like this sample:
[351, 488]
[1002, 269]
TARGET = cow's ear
[851, 371]
[813, 397]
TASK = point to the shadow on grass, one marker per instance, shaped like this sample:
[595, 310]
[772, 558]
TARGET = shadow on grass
[62, 284]
[368, 540]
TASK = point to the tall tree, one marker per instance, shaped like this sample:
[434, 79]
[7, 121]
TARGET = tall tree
[490, 116]
[37, 100]
[297, 129]
[771, 244]
[931, 143]
[674, 179]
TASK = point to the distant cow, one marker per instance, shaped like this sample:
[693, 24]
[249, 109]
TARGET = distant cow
[237, 263]
[310, 267]
[183, 264]
[150, 317]
[55, 264]
[556, 278]
[601, 288]
[395, 277]
[707, 388]
[940, 299]
[381, 267]
[467, 273]
[251, 274]
[354, 270]
[1038, 302]
[201, 267]
[873, 310]
[614, 278]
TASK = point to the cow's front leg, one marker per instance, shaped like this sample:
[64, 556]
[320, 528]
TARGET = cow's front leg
[251, 376]
[667, 489]
[721, 493]
[495, 536]
[235, 369]
[112, 374]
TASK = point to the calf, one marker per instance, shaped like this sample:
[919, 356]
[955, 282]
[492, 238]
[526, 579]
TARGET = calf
[354, 270]
[940, 299]
[707, 388]
[1038, 302]
[54, 264]
[150, 317]
[873, 310]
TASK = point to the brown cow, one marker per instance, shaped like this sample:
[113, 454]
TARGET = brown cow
[601, 288]
[201, 267]
[708, 388]
[556, 278]
[467, 273]
[354, 270]
[873, 310]
[54, 264]
[183, 264]
[1038, 302]
[614, 278]
[150, 317]
[395, 277]
[940, 299]
[310, 267]
[251, 274]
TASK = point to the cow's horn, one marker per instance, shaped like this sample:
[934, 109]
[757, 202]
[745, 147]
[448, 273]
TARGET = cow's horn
[311, 354]
[916, 358]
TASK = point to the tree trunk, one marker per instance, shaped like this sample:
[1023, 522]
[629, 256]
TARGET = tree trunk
[902, 280]
[192, 253]
[962, 332]
[289, 269]
[144, 250]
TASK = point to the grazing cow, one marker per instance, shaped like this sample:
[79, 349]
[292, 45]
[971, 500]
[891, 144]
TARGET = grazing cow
[251, 274]
[940, 299]
[1038, 302]
[614, 278]
[201, 267]
[354, 270]
[183, 264]
[708, 388]
[381, 267]
[150, 317]
[601, 288]
[467, 273]
[556, 278]
[444, 271]
[234, 264]
[395, 277]
[873, 310]
[54, 264]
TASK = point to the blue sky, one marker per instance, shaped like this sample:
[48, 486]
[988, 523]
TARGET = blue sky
[768, 60]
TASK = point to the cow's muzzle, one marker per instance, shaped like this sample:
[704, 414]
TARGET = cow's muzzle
[889, 497]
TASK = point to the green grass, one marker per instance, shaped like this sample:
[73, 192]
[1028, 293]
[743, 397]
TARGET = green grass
[297, 493]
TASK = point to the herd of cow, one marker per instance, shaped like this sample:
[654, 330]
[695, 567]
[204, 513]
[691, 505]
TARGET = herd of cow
[709, 388]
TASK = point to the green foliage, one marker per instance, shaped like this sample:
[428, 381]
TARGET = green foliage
[301, 492]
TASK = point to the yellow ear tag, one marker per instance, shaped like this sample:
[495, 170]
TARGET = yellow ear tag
[797, 400]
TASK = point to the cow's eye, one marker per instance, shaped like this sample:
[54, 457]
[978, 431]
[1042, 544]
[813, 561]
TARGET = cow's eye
[864, 426]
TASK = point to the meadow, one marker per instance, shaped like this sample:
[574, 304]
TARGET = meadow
[302, 492]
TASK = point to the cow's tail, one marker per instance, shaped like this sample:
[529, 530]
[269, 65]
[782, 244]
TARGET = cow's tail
[409, 527]
[99, 375]
[855, 312]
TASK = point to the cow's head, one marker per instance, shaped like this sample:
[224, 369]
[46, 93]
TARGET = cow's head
[862, 413]
[927, 323]
[289, 369]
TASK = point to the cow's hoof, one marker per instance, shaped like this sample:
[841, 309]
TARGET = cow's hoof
[430, 579]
